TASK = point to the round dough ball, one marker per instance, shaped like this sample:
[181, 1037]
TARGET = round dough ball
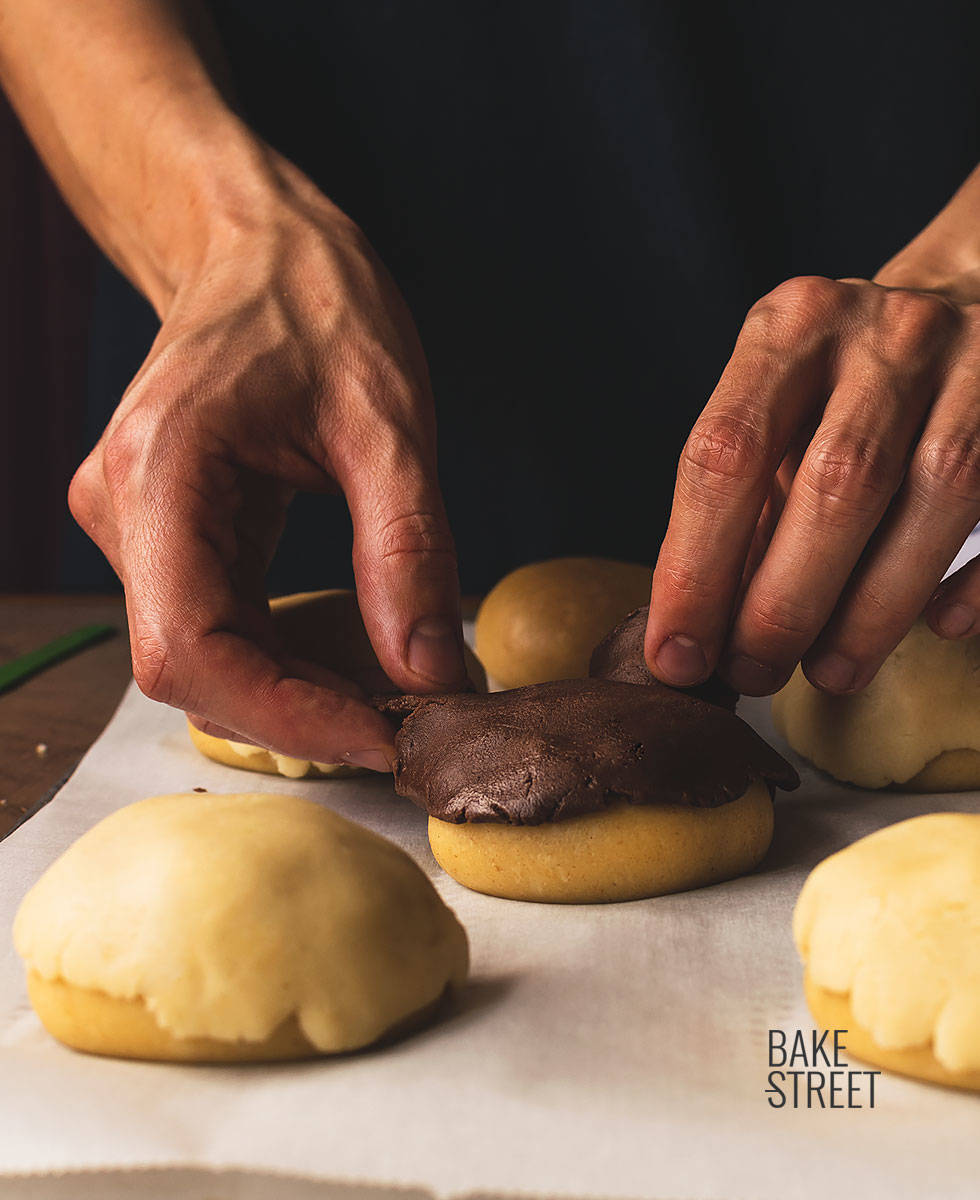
[325, 628]
[889, 931]
[206, 927]
[542, 622]
[916, 726]
[627, 852]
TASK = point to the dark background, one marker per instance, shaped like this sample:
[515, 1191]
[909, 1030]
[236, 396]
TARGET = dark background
[579, 200]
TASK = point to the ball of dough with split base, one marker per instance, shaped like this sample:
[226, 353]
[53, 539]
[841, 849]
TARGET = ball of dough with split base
[889, 932]
[542, 622]
[915, 727]
[207, 927]
[324, 628]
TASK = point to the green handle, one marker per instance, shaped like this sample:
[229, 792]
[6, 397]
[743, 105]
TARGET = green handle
[19, 669]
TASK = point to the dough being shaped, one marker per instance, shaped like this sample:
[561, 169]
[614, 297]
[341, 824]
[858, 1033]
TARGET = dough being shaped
[586, 790]
[889, 931]
[207, 927]
[619, 656]
[325, 628]
[915, 726]
[542, 621]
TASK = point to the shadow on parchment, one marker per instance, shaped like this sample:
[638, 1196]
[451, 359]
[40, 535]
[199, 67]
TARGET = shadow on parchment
[201, 1183]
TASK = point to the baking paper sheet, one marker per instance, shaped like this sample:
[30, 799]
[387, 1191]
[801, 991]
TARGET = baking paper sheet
[599, 1051]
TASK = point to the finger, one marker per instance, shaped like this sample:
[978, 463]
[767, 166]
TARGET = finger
[405, 567]
[844, 484]
[197, 644]
[90, 505]
[299, 669]
[954, 611]
[765, 528]
[776, 377]
[934, 511]
[218, 731]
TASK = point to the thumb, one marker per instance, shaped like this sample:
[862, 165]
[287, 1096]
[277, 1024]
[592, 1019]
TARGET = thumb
[406, 573]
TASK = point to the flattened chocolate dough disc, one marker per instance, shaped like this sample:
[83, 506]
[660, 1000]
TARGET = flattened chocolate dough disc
[553, 751]
[619, 656]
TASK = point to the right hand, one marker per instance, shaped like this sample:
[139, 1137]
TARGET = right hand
[286, 361]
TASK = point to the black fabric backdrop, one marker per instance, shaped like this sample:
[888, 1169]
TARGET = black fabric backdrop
[580, 201]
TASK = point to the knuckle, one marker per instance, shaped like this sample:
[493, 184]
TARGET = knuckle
[122, 449]
[869, 610]
[913, 321]
[782, 620]
[724, 447]
[688, 581]
[415, 533]
[156, 670]
[812, 292]
[950, 464]
[293, 695]
[795, 310]
[82, 500]
[855, 474]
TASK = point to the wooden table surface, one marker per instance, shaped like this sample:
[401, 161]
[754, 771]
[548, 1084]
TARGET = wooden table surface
[66, 707]
[63, 709]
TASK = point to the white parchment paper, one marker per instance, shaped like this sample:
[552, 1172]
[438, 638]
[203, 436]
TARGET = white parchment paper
[599, 1051]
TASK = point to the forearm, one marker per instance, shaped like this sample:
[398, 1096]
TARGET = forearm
[945, 256]
[119, 103]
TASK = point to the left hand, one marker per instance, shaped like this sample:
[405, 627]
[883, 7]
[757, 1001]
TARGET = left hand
[824, 491]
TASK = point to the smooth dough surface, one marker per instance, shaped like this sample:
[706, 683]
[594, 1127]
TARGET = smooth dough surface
[542, 622]
[236, 919]
[916, 725]
[325, 628]
[627, 852]
[891, 924]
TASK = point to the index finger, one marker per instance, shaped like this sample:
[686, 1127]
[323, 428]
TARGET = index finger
[775, 377]
[198, 645]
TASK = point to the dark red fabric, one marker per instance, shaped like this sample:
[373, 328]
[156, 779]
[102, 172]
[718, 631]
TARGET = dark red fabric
[46, 278]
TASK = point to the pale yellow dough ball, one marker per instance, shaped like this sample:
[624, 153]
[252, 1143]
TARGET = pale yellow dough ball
[915, 727]
[889, 932]
[325, 628]
[627, 852]
[207, 927]
[542, 622]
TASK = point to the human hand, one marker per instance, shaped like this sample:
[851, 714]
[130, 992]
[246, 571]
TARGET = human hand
[824, 491]
[286, 361]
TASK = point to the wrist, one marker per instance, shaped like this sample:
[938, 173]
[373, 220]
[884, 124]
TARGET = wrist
[954, 272]
[194, 204]
[233, 197]
[945, 256]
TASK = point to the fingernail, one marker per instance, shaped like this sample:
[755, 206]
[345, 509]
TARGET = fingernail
[373, 760]
[832, 673]
[680, 660]
[435, 651]
[955, 620]
[749, 676]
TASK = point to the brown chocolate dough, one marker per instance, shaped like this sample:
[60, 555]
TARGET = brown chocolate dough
[552, 751]
[619, 656]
